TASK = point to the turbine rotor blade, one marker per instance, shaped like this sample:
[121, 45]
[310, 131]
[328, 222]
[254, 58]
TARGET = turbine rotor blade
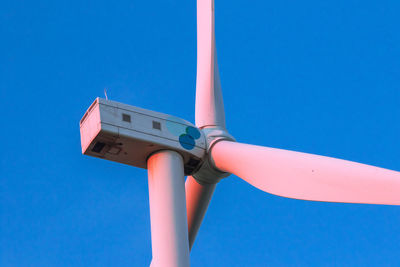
[209, 102]
[306, 176]
[198, 197]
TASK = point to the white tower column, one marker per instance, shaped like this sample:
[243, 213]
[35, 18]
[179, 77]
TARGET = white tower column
[169, 229]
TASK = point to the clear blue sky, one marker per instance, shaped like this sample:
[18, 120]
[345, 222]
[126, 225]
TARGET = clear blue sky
[314, 76]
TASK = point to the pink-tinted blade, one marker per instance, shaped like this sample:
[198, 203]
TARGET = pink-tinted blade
[209, 103]
[198, 198]
[306, 176]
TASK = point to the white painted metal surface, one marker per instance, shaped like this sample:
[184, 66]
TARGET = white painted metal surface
[169, 229]
[209, 103]
[173, 147]
[198, 197]
[306, 176]
[129, 134]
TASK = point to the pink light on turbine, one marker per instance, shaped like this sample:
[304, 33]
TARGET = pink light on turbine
[169, 235]
[306, 176]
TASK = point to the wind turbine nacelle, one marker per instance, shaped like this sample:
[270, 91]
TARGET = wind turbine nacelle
[129, 135]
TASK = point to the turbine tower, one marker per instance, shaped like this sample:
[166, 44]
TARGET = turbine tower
[170, 148]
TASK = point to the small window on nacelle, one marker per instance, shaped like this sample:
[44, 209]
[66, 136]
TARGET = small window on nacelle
[126, 117]
[156, 125]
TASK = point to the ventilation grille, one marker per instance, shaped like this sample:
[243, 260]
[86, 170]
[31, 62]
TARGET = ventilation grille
[98, 147]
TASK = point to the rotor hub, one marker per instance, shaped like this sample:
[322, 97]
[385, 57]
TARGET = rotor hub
[208, 173]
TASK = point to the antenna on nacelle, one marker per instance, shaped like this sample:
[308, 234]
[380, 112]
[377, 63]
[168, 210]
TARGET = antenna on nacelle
[105, 93]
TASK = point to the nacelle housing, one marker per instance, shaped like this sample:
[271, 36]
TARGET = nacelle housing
[129, 135]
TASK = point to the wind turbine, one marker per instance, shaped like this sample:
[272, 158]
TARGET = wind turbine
[171, 148]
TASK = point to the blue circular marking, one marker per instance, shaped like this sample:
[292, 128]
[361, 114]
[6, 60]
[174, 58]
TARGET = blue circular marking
[186, 141]
[193, 132]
